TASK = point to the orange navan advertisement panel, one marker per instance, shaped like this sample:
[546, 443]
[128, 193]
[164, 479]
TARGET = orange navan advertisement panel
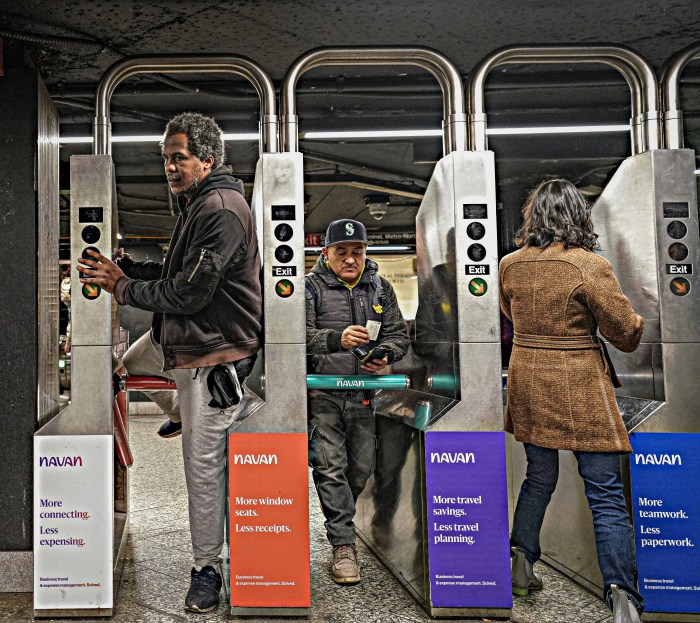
[269, 520]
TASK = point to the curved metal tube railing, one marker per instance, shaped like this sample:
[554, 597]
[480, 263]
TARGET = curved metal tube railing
[191, 63]
[645, 122]
[670, 90]
[454, 113]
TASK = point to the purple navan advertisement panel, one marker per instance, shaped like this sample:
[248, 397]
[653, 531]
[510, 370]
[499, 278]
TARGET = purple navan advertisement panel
[665, 471]
[468, 543]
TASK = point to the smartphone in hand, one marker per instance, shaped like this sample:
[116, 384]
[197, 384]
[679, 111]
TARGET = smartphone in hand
[365, 355]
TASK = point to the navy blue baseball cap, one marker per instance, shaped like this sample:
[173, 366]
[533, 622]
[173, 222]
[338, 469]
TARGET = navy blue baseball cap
[345, 230]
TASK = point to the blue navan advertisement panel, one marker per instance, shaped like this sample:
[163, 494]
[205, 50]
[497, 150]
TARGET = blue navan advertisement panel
[666, 502]
[468, 543]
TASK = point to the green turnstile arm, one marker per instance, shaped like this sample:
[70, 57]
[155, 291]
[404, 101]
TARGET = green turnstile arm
[448, 382]
[333, 381]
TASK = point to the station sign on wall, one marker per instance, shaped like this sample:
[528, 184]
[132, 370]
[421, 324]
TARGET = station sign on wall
[376, 238]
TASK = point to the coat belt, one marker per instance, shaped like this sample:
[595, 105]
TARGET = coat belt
[574, 342]
[556, 342]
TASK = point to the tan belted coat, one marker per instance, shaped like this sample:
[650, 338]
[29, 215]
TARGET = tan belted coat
[559, 392]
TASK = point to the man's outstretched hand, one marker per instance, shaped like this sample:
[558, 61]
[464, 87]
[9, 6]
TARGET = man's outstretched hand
[100, 271]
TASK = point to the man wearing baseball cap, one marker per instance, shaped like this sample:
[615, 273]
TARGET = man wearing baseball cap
[353, 327]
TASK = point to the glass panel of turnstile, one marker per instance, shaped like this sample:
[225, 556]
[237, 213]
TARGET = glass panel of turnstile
[435, 510]
[268, 475]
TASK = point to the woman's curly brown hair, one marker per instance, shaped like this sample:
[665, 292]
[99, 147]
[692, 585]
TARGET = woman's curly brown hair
[556, 211]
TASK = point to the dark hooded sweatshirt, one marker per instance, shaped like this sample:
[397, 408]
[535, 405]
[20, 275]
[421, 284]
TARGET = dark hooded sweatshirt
[206, 296]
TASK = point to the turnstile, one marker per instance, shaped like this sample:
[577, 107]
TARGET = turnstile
[569, 545]
[80, 493]
[648, 226]
[268, 475]
[79, 529]
[435, 511]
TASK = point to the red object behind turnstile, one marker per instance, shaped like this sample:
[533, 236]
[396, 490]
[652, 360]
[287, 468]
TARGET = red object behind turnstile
[121, 441]
[148, 383]
[134, 383]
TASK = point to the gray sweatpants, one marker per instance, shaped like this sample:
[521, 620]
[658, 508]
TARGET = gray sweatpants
[204, 430]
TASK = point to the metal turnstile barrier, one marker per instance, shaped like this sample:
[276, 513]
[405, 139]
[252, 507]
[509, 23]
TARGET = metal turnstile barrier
[661, 189]
[435, 510]
[268, 458]
[570, 545]
[648, 225]
[76, 565]
[80, 493]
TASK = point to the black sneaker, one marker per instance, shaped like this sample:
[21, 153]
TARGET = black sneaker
[203, 595]
[170, 429]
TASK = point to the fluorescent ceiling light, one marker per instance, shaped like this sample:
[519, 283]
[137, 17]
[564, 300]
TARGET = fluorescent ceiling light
[360, 134]
[371, 134]
[387, 247]
[559, 129]
[153, 138]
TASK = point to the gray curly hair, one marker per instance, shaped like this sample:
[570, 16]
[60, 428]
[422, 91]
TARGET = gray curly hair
[203, 135]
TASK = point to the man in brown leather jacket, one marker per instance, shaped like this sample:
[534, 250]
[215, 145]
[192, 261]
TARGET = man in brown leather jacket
[207, 306]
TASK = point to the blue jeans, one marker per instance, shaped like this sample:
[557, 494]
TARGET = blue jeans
[603, 486]
[342, 455]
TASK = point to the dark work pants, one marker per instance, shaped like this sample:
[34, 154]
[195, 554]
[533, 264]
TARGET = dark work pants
[341, 454]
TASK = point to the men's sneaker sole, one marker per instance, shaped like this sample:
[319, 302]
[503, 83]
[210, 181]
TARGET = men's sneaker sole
[170, 429]
[354, 580]
[175, 434]
[201, 610]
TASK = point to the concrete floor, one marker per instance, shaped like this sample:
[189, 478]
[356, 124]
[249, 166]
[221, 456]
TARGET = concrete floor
[157, 569]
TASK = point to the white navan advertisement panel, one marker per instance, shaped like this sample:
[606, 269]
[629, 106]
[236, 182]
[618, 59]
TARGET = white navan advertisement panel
[73, 521]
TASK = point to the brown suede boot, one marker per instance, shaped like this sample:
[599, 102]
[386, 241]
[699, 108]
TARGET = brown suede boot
[346, 569]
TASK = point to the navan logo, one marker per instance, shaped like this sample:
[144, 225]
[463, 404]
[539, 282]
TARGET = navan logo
[255, 459]
[657, 459]
[452, 457]
[60, 461]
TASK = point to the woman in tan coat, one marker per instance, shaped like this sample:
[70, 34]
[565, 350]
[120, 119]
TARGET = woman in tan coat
[558, 294]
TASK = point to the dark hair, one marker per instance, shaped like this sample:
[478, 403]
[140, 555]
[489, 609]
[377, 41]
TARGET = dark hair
[556, 211]
[203, 135]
